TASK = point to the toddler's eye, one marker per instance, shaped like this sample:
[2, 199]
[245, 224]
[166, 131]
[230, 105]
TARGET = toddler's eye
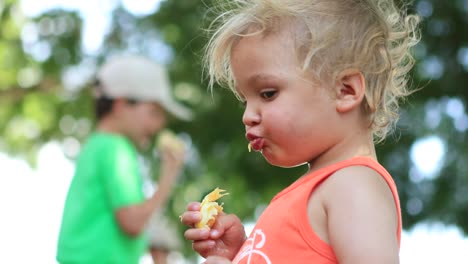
[268, 94]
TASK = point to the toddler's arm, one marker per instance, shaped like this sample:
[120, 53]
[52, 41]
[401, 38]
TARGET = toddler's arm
[224, 239]
[362, 217]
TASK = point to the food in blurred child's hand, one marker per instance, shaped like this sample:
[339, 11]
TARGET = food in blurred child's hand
[167, 139]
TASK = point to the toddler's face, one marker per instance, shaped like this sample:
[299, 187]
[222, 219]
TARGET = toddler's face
[287, 117]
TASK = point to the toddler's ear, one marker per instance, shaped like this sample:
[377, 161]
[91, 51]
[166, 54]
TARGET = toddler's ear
[350, 90]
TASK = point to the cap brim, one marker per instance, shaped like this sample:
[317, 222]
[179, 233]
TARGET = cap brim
[178, 110]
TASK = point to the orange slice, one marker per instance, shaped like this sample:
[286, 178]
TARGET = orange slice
[210, 208]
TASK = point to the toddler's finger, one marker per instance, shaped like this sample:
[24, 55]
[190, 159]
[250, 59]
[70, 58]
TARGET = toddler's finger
[189, 218]
[197, 234]
[203, 247]
[194, 206]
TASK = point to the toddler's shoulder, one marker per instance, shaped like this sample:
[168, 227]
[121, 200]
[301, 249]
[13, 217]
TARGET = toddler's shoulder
[358, 181]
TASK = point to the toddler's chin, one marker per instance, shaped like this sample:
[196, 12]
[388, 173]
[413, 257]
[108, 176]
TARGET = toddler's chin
[284, 163]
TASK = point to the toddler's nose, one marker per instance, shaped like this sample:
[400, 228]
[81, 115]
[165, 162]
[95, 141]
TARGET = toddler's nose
[251, 116]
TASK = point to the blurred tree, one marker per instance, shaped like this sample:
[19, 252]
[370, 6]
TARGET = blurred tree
[44, 93]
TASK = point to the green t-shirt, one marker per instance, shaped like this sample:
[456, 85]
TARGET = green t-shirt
[107, 177]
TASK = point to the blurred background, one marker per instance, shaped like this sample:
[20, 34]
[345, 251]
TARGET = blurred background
[49, 50]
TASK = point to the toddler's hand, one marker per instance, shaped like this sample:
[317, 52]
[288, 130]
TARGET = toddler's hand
[224, 239]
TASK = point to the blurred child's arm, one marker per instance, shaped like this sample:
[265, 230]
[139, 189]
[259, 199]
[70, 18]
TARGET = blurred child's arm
[361, 217]
[133, 218]
[224, 239]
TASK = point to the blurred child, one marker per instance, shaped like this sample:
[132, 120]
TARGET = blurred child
[105, 214]
[321, 81]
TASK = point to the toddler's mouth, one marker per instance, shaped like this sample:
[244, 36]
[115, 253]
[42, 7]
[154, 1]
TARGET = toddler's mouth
[256, 144]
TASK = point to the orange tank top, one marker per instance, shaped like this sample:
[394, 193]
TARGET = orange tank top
[283, 233]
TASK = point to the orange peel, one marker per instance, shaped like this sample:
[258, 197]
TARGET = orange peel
[210, 208]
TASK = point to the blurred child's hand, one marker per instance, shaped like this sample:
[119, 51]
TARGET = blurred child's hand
[172, 153]
[224, 239]
[172, 159]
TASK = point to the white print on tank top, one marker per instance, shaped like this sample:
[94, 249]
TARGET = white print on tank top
[252, 246]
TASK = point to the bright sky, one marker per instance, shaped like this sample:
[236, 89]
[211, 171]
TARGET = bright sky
[95, 14]
[32, 199]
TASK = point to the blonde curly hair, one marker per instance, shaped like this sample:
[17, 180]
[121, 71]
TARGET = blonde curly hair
[374, 36]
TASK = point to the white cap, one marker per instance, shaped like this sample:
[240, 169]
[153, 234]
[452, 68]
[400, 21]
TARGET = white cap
[138, 78]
